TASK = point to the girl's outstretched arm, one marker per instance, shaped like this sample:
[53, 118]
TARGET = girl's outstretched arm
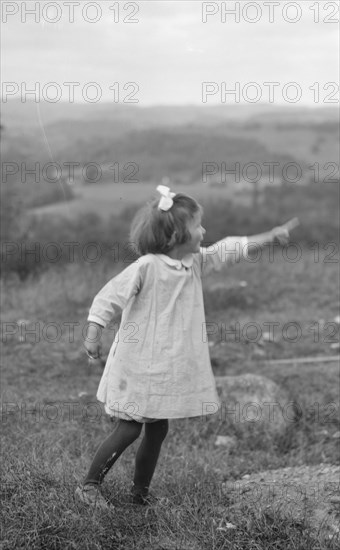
[230, 250]
[279, 234]
[225, 252]
[263, 239]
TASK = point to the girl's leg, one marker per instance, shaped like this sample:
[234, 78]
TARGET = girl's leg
[147, 455]
[113, 446]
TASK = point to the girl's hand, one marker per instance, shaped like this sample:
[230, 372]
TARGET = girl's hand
[93, 349]
[92, 342]
[281, 233]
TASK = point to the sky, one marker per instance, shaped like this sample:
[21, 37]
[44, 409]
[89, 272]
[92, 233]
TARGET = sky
[172, 52]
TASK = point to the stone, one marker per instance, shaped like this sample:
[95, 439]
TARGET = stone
[256, 402]
[225, 441]
[335, 346]
[259, 353]
[267, 337]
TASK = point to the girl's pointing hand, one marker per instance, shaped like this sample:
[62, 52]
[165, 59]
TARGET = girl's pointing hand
[281, 233]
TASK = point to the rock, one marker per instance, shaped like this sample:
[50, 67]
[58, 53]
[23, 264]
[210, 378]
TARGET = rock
[259, 353]
[225, 526]
[255, 402]
[322, 432]
[268, 337]
[225, 441]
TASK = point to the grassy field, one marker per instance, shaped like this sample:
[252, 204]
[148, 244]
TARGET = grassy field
[112, 198]
[293, 304]
[52, 423]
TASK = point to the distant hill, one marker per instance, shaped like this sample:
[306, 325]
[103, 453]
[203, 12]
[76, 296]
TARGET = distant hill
[176, 152]
[16, 114]
[171, 141]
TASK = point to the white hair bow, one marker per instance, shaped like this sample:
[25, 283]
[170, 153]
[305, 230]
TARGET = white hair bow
[165, 202]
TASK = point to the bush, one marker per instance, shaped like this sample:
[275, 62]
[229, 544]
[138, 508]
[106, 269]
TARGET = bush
[315, 205]
[91, 239]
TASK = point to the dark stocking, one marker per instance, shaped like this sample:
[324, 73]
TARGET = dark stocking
[110, 450]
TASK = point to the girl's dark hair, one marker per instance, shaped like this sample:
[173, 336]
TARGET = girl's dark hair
[156, 231]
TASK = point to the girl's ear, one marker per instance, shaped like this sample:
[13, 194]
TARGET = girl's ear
[173, 240]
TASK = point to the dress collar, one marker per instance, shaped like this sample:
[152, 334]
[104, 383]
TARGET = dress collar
[186, 261]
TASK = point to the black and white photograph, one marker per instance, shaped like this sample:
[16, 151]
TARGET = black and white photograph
[170, 275]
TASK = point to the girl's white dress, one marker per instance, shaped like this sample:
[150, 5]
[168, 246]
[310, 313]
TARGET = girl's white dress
[159, 364]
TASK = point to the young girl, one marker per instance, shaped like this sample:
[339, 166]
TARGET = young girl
[158, 367]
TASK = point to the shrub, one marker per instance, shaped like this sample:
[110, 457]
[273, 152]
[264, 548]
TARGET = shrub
[316, 206]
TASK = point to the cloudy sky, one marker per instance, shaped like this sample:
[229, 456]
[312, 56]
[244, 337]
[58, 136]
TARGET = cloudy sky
[170, 48]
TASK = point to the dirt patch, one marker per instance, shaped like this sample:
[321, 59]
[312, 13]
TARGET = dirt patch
[308, 494]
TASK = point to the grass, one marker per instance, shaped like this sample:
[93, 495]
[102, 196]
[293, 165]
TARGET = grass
[113, 198]
[301, 298]
[52, 423]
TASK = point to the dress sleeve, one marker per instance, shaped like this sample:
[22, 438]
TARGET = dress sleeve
[116, 294]
[225, 252]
